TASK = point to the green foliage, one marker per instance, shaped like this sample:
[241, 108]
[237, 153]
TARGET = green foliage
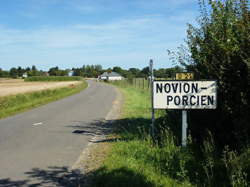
[55, 71]
[10, 105]
[235, 168]
[19, 71]
[220, 50]
[88, 71]
[135, 71]
[136, 161]
[167, 73]
[91, 71]
[13, 73]
[4, 73]
[52, 78]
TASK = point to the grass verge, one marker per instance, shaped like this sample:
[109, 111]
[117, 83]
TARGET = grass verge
[11, 105]
[52, 78]
[133, 161]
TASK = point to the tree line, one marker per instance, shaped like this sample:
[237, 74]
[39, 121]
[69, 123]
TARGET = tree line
[91, 71]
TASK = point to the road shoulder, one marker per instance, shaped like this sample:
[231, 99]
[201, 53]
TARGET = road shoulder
[94, 154]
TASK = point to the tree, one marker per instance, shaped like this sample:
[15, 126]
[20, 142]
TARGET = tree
[145, 72]
[98, 68]
[13, 73]
[33, 68]
[109, 70]
[220, 50]
[53, 71]
[33, 71]
[117, 69]
[20, 71]
[1, 72]
[27, 69]
[4, 73]
[135, 72]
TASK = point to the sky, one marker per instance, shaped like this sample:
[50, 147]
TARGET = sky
[73, 33]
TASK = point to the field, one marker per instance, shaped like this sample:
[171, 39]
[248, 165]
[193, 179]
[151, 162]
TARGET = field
[18, 96]
[17, 86]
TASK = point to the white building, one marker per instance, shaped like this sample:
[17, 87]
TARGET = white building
[25, 75]
[70, 73]
[113, 76]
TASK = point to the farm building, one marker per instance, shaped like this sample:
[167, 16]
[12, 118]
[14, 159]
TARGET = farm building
[71, 73]
[25, 75]
[110, 76]
[45, 74]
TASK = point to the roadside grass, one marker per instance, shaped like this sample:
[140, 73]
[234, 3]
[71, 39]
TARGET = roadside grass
[135, 160]
[10, 105]
[52, 78]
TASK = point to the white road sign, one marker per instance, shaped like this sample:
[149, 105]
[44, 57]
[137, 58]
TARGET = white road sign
[185, 94]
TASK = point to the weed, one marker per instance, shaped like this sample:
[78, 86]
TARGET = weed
[234, 168]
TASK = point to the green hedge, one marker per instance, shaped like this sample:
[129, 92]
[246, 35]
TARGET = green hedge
[53, 78]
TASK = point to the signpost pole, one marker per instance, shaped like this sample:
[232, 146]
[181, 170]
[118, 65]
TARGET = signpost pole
[183, 94]
[184, 128]
[152, 97]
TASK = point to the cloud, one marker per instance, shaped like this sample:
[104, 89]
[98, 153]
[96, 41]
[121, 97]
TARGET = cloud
[121, 42]
[78, 35]
[163, 4]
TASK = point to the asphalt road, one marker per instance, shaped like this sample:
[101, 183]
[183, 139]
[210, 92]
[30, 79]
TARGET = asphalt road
[51, 137]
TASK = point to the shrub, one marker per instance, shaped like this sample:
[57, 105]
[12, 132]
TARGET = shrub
[53, 78]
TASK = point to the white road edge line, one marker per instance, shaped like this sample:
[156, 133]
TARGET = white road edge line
[36, 124]
[88, 84]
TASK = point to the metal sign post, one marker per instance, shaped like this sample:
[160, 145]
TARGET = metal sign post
[184, 95]
[152, 97]
[184, 128]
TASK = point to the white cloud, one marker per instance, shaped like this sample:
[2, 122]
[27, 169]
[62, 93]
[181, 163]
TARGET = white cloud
[121, 41]
[166, 4]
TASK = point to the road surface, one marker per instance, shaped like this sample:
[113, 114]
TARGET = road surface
[42, 144]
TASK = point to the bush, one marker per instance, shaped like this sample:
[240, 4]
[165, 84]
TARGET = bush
[220, 50]
[53, 78]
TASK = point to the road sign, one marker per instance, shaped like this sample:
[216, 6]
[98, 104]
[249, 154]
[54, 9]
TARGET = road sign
[184, 76]
[185, 94]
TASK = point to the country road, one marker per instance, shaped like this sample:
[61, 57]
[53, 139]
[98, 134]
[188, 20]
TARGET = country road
[51, 136]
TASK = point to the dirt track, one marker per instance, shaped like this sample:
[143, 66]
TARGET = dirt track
[16, 86]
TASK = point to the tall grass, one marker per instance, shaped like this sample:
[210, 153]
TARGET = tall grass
[135, 160]
[11, 105]
[53, 78]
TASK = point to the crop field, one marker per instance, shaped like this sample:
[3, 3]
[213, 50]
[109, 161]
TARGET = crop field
[17, 86]
[18, 96]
